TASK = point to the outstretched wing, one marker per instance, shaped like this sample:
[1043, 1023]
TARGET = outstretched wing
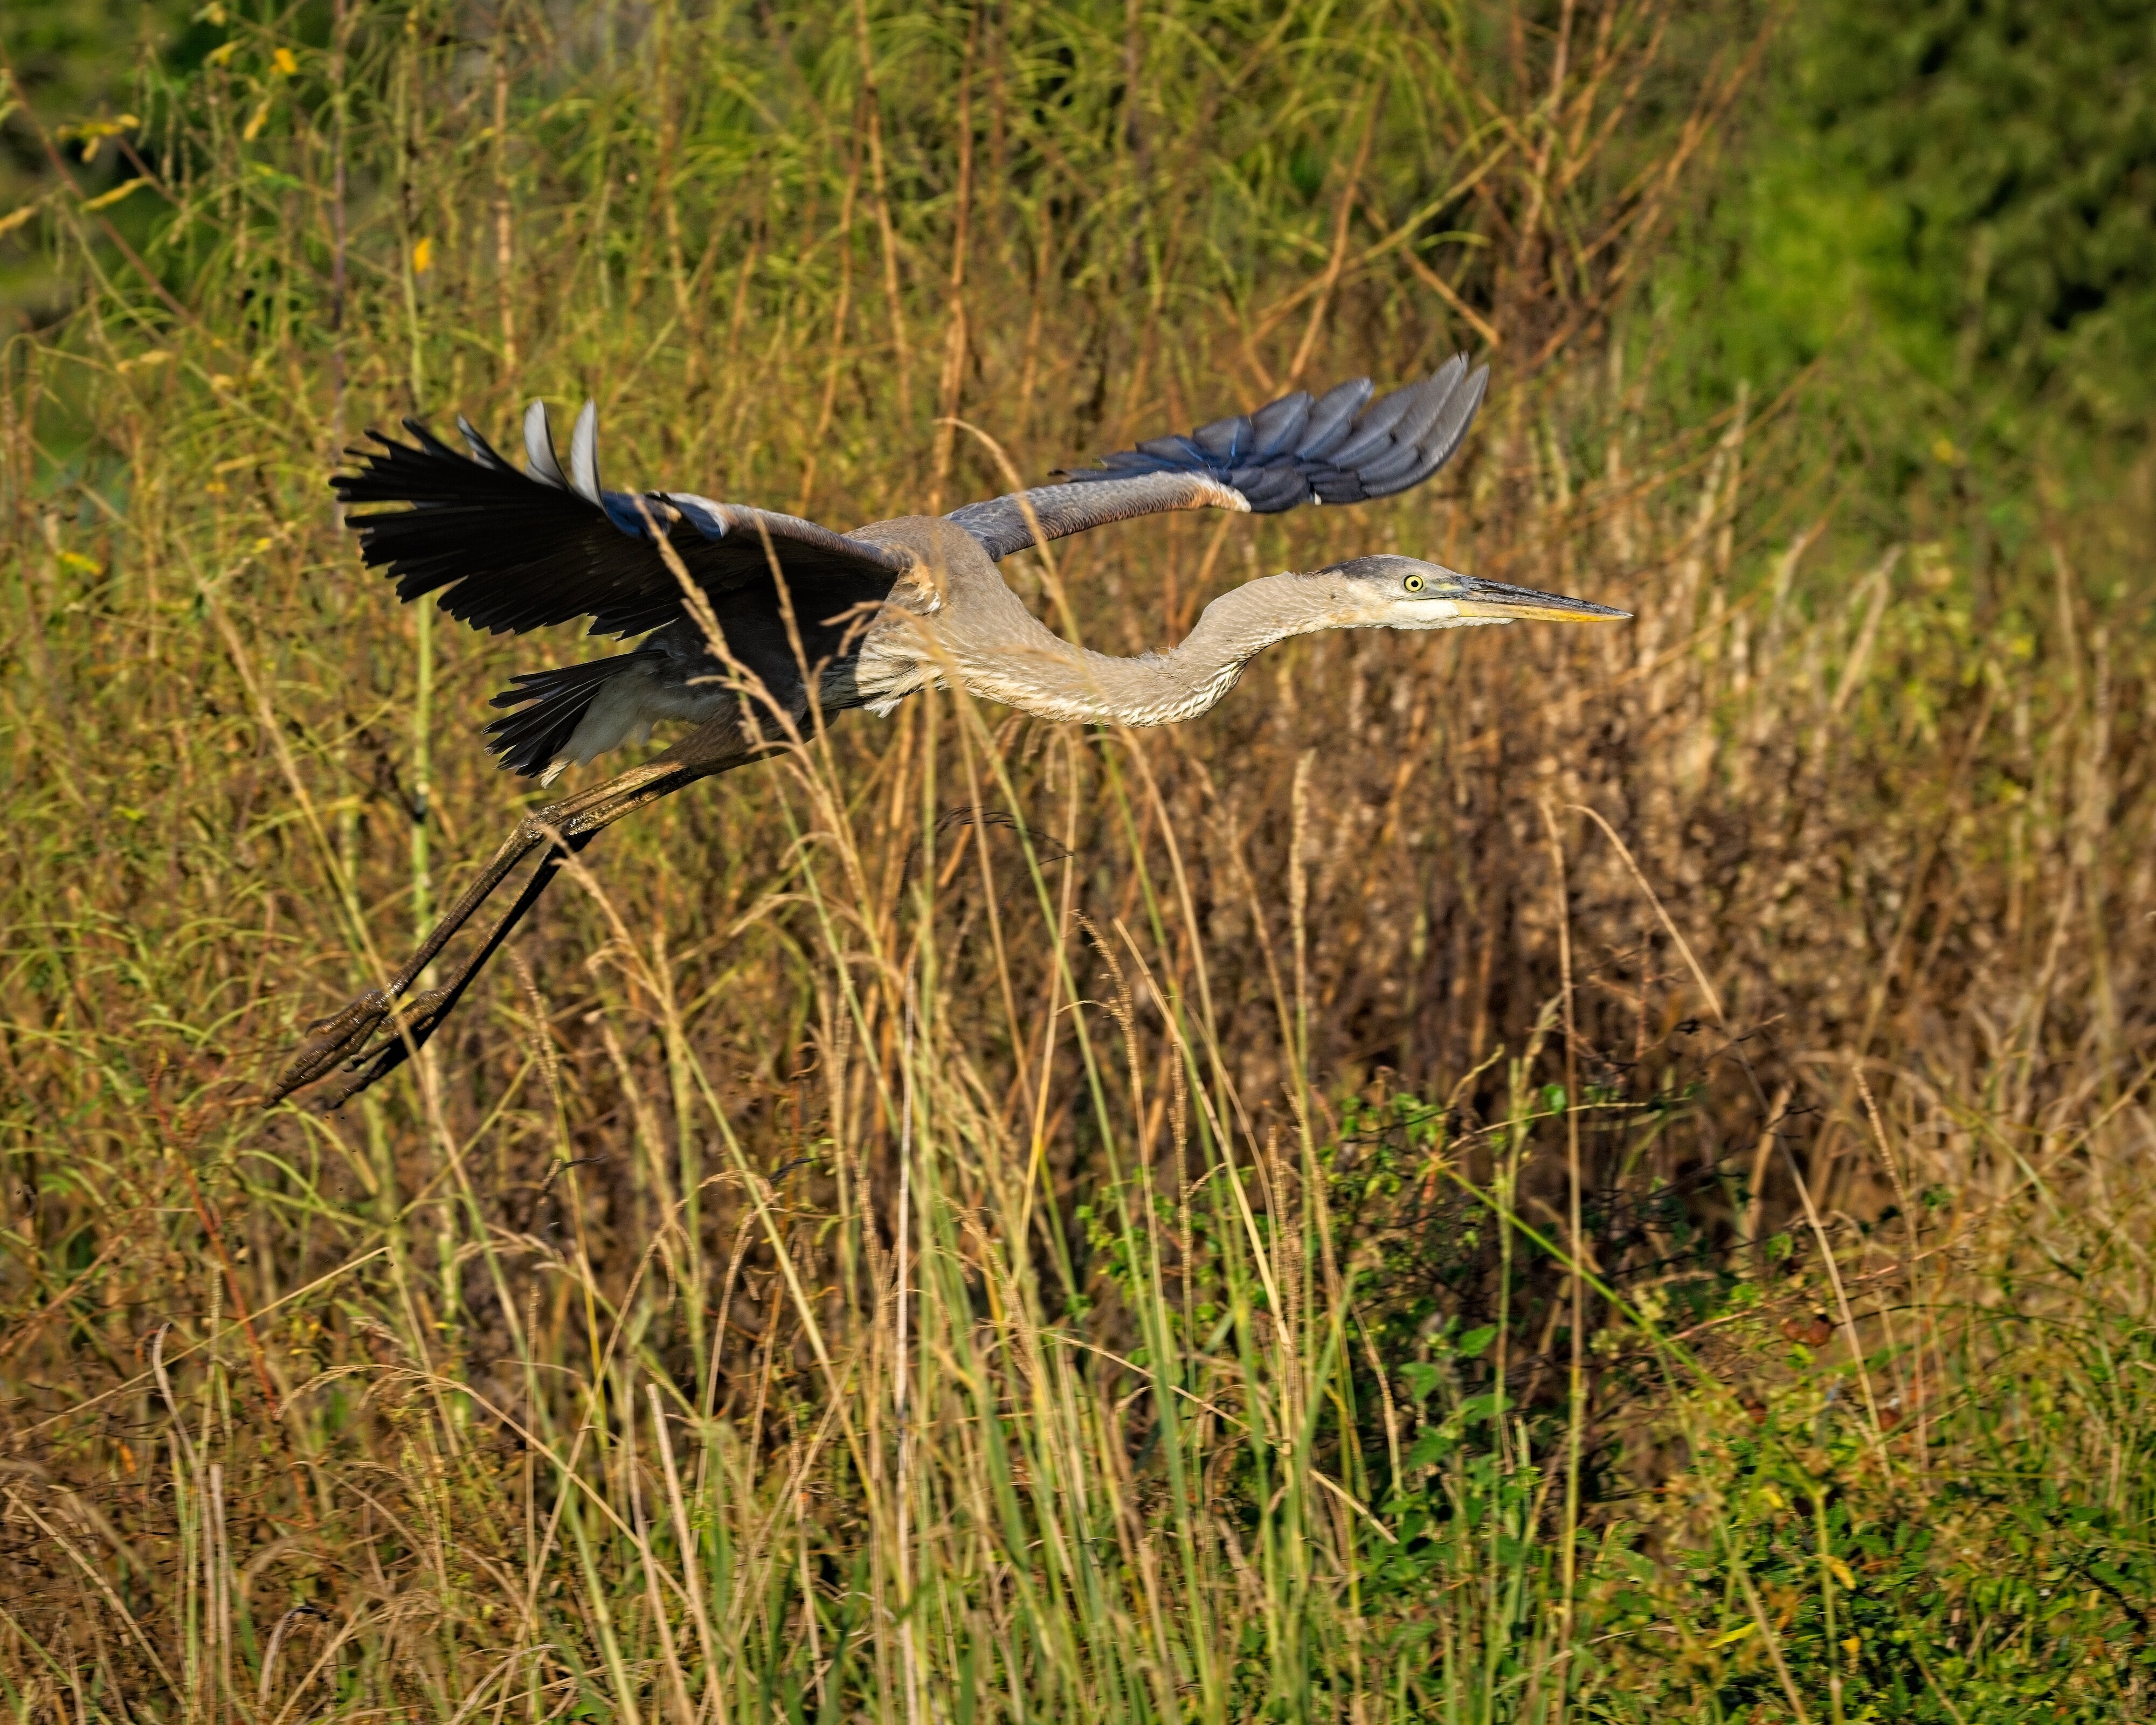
[1340, 448]
[510, 550]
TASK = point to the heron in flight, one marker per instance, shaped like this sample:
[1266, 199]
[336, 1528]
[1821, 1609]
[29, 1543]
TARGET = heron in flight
[755, 624]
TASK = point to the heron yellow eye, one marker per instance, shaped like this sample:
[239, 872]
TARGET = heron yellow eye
[1413, 584]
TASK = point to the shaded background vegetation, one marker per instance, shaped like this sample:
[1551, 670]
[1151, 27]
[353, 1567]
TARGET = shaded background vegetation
[1501, 1176]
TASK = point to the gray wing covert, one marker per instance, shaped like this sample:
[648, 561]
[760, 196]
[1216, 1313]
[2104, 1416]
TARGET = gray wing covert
[1336, 448]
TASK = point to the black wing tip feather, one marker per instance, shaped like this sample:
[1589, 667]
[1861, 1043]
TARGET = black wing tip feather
[419, 472]
[511, 548]
[1337, 448]
[470, 523]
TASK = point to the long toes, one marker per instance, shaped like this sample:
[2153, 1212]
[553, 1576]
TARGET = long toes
[330, 1041]
[366, 1010]
[420, 1013]
[357, 1078]
[415, 1017]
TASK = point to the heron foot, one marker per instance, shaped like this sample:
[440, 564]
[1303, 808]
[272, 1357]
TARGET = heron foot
[377, 1031]
[348, 1038]
[372, 1061]
[329, 1040]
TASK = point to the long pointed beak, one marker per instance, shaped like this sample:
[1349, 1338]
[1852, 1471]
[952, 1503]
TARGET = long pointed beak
[1495, 599]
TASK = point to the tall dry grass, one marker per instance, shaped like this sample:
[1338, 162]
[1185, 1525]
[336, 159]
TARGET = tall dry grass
[1506, 1176]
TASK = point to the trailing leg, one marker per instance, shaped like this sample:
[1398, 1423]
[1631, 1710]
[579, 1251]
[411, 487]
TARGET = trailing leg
[344, 1038]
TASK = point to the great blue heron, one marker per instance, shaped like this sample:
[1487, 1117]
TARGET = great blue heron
[808, 622]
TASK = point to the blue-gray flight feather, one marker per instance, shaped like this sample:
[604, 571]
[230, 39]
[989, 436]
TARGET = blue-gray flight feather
[1341, 447]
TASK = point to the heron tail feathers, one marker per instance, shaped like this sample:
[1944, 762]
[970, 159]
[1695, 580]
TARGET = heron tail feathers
[536, 738]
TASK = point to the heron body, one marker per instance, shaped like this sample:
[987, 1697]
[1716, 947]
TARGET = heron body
[752, 623]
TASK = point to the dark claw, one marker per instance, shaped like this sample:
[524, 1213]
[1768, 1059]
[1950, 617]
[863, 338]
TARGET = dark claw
[330, 1041]
[417, 1018]
[351, 1083]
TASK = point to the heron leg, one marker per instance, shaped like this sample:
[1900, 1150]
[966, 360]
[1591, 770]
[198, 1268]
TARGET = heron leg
[347, 1037]
[418, 1017]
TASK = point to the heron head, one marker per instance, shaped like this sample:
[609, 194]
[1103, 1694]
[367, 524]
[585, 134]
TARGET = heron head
[1388, 592]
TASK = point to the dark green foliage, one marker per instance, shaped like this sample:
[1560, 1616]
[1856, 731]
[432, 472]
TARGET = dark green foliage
[2011, 146]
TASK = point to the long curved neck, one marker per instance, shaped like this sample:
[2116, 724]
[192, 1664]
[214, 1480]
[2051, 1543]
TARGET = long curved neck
[1034, 670]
